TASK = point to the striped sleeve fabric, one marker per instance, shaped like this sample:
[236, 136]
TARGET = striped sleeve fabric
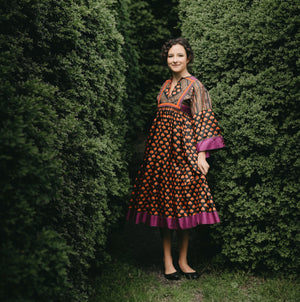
[206, 128]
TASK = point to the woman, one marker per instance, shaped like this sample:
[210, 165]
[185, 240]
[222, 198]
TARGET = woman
[171, 191]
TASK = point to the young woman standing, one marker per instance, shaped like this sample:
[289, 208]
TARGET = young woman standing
[171, 190]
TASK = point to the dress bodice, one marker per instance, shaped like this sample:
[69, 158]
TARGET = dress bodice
[179, 97]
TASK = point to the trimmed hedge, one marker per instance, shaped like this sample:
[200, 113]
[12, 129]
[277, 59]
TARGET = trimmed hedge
[148, 28]
[62, 153]
[144, 27]
[247, 53]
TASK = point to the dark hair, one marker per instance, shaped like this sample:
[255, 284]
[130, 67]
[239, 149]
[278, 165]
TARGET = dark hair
[182, 41]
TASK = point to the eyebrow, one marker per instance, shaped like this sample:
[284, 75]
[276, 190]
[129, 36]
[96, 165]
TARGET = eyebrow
[178, 53]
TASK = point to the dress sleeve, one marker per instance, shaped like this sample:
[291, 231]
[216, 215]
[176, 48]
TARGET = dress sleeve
[206, 129]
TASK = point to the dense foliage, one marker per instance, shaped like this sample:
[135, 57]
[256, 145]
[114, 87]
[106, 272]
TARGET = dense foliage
[145, 25]
[151, 23]
[63, 173]
[247, 53]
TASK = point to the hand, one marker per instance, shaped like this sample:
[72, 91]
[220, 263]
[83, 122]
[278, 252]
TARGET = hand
[202, 163]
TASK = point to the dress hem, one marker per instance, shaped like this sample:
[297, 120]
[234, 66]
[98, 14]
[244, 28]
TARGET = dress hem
[173, 223]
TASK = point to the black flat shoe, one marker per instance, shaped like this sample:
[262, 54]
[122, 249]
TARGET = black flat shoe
[173, 276]
[191, 276]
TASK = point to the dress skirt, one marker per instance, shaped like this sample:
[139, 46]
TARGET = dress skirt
[169, 190]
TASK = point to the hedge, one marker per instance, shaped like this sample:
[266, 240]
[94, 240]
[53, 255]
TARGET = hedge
[62, 153]
[148, 28]
[247, 54]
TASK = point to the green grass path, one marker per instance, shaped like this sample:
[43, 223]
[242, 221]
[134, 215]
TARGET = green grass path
[135, 275]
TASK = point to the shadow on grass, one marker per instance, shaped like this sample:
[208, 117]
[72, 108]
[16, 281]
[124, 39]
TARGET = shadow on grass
[140, 245]
[135, 274]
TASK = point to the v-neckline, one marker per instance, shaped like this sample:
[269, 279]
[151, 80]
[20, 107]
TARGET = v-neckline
[171, 80]
[171, 91]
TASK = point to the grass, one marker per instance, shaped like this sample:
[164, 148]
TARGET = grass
[135, 275]
[123, 282]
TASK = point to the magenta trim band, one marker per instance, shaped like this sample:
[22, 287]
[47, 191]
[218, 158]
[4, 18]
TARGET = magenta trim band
[211, 143]
[173, 223]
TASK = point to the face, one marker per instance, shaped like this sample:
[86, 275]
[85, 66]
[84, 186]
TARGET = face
[177, 59]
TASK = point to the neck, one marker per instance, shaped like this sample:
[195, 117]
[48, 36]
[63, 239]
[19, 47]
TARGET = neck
[178, 76]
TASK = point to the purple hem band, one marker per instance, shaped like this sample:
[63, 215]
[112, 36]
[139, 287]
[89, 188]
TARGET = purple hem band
[211, 143]
[173, 223]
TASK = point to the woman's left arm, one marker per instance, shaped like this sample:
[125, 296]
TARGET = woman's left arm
[207, 132]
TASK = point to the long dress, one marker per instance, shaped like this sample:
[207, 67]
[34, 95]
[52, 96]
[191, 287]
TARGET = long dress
[170, 191]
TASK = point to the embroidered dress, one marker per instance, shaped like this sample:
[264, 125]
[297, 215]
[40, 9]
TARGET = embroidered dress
[170, 190]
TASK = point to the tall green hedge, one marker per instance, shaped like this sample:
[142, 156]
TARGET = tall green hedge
[62, 152]
[247, 54]
[148, 27]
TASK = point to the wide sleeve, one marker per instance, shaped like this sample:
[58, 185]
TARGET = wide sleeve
[206, 128]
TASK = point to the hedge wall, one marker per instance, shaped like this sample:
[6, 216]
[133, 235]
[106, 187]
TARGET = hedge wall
[148, 28]
[62, 153]
[247, 54]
